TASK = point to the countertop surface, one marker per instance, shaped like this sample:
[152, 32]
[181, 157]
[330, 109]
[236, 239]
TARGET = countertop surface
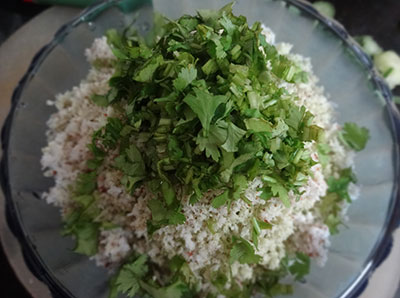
[379, 18]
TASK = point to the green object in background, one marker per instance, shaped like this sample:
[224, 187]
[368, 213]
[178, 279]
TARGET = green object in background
[369, 45]
[325, 8]
[130, 5]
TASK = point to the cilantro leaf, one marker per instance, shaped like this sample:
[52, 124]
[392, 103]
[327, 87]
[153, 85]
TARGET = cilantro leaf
[243, 252]
[176, 290]
[330, 208]
[323, 154]
[145, 74]
[186, 76]
[84, 200]
[204, 104]
[227, 24]
[174, 150]
[210, 67]
[86, 234]
[333, 222]
[279, 129]
[220, 200]
[353, 136]
[86, 183]
[331, 205]
[219, 280]
[233, 137]
[239, 185]
[108, 136]
[168, 193]
[258, 125]
[176, 218]
[301, 266]
[131, 163]
[295, 117]
[157, 210]
[227, 170]
[216, 137]
[164, 216]
[257, 227]
[282, 193]
[100, 100]
[340, 185]
[128, 278]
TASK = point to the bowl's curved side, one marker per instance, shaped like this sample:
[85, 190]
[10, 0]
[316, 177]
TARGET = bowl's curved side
[384, 245]
[31, 257]
[35, 261]
[32, 260]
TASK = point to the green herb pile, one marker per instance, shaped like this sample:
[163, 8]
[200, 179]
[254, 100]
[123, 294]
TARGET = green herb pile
[208, 112]
[199, 109]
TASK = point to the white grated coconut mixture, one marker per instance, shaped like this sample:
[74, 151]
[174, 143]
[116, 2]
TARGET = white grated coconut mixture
[298, 228]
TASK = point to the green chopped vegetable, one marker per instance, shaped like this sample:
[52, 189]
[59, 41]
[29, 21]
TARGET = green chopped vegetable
[340, 185]
[86, 238]
[127, 280]
[220, 200]
[204, 105]
[353, 136]
[388, 64]
[100, 100]
[86, 183]
[323, 154]
[257, 227]
[243, 252]
[325, 8]
[301, 266]
[195, 97]
[396, 99]
[331, 205]
[369, 45]
[176, 290]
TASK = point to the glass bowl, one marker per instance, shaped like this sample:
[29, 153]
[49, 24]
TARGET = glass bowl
[344, 70]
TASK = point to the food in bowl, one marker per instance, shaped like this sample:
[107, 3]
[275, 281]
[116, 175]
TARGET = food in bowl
[201, 161]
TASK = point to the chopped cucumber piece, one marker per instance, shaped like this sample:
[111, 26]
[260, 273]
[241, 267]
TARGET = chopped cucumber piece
[388, 64]
[325, 8]
[369, 45]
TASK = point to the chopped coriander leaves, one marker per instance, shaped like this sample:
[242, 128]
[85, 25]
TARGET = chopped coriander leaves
[243, 252]
[204, 105]
[163, 215]
[100, 100]
[132, 278]
[341, 184]
[177, 289]
[127, 280]
[353, 136]
[202, 93]
[185, 77]
[220, 200]
[257, 227]
[301, 266]
[86, 183]
[86, 234]
[82, 225]
[331, 205]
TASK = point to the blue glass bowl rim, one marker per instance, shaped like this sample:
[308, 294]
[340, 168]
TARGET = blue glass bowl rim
[34, 260]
